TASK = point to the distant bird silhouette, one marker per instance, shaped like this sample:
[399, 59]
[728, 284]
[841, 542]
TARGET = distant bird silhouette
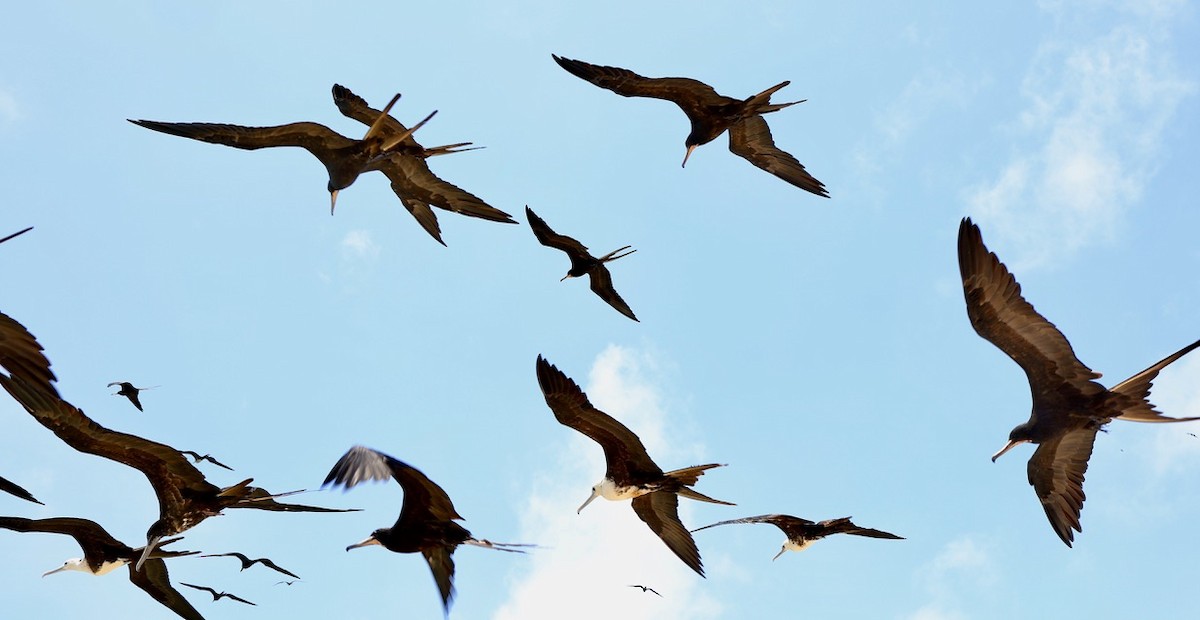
[646, 589]
[344, 158]
[104, 554]
[247, 562]
[583, 263]
[128, 391]
[217, 595]
[287, 583]
[417, 187]
[1069, 408]
[16, 234]
[196, 458]
[427, 517]
[801, 532]
[711, 114]
[13, 488]
[631, 473]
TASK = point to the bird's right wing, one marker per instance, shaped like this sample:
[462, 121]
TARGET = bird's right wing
[154, 580]
[660, 511]
[1056, 472]
[602, 285]
[441, 564]
[547, 237]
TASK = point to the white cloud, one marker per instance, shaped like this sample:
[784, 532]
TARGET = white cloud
[1176, 393]
[587, 561]
[957, 573]
[358, 244]
[1090, 134]
[9, 110]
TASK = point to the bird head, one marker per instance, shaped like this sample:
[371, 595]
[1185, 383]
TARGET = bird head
[596, 492]
[1020, 434]
[373, 539]
[71, 564]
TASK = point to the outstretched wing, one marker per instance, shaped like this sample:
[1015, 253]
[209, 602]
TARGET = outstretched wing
[547, 237]
[423, 499]
[750, 138]
[441, 564]
[690, 95]
[660, 511]
[154, 580]
[1056, 472]
[602, 285]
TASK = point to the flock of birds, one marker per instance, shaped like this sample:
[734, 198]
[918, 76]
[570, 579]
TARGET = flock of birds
[1069, 407]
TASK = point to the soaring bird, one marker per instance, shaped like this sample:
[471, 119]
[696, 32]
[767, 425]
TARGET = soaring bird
[801, 532]
[583, 263]
[646, 589]
[344, 158]
[129, 391]
[417, 187]
[247, 562]
[197, 457]
[711, 114]
[1069, 408]
[217, 595]
[103, 554]
[427, 517]
[631, 473]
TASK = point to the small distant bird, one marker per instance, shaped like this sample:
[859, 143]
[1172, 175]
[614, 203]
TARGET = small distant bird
[196, 458]
[583, 263]
[631, 473]
[1069, 408]
[13, 488]
[344, 158]
[646, 589]
[801, 532]
[247, 562]
[427, 517]
[16, 234]
[711, 114]
[287, 583]
[218, 595]
[128, 391]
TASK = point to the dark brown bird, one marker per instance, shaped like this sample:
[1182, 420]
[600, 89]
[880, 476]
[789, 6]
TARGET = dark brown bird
[217, 595]
[13, 488]
[427, 517]
[631, 473]
[129, 391]
[196, 458]
[1069, 408]
[247, 562]
[16, 234]
[344, 158]
[583, 263]
[801, 532]
[103, 554]
[646, 589]
[711, 114]
[185, 497]
[417, 187]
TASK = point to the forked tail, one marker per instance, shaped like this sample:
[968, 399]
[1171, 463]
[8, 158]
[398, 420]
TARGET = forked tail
[688, 476]
[487, 544]
[761, 103]
[1134, 392]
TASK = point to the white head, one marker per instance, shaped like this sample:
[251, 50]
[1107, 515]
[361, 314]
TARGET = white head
[71, 564]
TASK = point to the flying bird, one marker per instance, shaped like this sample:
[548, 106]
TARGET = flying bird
[103, 554]
[646, 589]
[13, 488]
[129, 391]
[344, 158]
[417, 187]
[217, 595]
[427, 517]
[287, 583]
[16, 234]
[801, 532]
[1069, 408]
[247, 562]
[583, 263]
[196, 458]
[711, 114]
[631, 473]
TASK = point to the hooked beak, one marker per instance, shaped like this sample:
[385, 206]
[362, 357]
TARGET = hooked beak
[57, 570]
[150, 544]
[565, 277]
[591, 497]
[781, 550]
[371, 540]
[333, 200]
[1012, 443]
[687, 155]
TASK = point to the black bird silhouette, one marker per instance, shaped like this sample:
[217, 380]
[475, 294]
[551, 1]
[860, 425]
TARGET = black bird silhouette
[1069, 408]
[711, 114]
[631, 473]
[583, 263]
[13, 488]
[417, 187]
[102, 554]
[16, 234]
[217, 595]
[196, 458]
[646, 589]
[287, 583]
[427, 517]
[247, 562]
[129, 391]
[801, 532]
[344, 158]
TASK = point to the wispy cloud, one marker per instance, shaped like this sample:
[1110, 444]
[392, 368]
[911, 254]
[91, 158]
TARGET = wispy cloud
[955, 574]
[9, 110]
[589, 560]
[1088, 139]
[357, 244]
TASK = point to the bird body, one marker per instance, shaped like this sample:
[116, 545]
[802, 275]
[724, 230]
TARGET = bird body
[129, 391]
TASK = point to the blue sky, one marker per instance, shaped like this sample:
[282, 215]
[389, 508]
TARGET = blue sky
[819, 347]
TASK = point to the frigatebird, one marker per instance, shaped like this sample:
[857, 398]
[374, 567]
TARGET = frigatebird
[103, 554]
[801, 532]
[1069, 408]
[417, 187]
[583, 263]
[185, 497]
[344, 158]
[427, 517]
[646, 589]
[247, 562]
[711, 114]
[631, 473]
[13, 488]
[218, 595]
[129, 391]
[197, 457]
[16, 234]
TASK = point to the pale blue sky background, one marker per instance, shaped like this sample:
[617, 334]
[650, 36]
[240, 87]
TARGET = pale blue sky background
[820, 347]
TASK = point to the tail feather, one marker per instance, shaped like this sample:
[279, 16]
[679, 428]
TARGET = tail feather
[1134, 392]
[696, 495]
[508, 547]
[761, 103]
